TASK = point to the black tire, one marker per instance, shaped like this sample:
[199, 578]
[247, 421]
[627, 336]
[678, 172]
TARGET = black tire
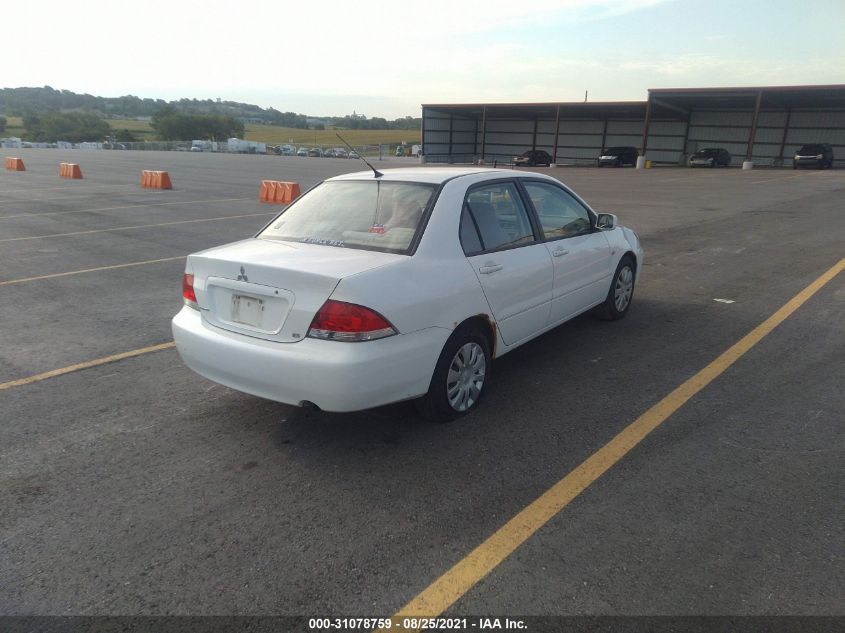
[714, 164]
[794, 165]
[435, 405]
[609, 310]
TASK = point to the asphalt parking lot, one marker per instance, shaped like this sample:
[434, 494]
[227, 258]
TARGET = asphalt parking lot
[137, 487]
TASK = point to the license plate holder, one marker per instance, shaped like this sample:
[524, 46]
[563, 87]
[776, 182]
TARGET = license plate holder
[247, 310]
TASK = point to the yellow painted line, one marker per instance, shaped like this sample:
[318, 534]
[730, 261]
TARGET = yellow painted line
[129, 206]
[86, 365]
[90, 270]
[447, 589]
[140, 226]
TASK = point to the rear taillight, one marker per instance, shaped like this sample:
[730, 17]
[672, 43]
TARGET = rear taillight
[339, 321]
[188, 293]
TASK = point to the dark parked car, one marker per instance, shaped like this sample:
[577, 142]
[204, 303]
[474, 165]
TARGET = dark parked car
[618, 156]
[710, 157]
[302, 151]
[532, 158]
[315, 151]
[814, 155]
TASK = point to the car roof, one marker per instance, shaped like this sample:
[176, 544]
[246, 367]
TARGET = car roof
[435, 175]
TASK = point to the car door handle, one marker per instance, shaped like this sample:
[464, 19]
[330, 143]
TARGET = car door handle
[490, 268]
[559, 251]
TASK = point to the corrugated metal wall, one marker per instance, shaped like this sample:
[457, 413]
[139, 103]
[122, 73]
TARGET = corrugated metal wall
[452, 138]
[773, 143]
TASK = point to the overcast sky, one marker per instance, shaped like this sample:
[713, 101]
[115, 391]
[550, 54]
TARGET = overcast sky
[385, 58]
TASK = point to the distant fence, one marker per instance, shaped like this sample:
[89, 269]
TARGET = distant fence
[236, 147]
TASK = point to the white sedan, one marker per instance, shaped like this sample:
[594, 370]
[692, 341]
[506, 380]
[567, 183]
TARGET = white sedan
[373, 288]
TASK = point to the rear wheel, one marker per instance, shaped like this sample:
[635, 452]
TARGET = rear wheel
[459, 377]
[621, 291]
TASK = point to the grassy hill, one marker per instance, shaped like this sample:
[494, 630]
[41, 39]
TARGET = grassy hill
[276, 135]
[271, 134]
[14, 127]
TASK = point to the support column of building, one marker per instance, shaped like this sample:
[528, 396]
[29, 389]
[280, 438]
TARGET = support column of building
[641, 157]
[557, 131]
[451, 124]
[749, 164]
[603, 138]
[422, 139]
[785, 133]
[483, 133]
[686, 139]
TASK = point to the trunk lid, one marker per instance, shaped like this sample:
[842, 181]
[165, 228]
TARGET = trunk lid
[270, 289]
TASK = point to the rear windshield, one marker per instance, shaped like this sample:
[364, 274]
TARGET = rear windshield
[370, 215]
[707, 152]
[812, 149]
[617, 150]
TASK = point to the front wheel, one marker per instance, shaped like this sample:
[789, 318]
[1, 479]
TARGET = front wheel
[459, 377]
[621, 291]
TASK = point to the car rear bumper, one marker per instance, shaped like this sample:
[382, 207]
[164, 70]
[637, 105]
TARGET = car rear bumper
[809, 162]
[335, 376]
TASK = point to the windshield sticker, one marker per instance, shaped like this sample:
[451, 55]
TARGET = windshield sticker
[319, 240]
[376, 228]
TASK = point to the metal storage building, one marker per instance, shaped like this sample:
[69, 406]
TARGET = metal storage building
[765, 125]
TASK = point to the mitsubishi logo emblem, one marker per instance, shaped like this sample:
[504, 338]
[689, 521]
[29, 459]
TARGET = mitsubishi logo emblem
[242, 276]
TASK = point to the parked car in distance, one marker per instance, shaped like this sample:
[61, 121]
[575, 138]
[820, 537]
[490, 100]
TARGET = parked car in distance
[302, 151]
[401, 150]
[328, 153]
[813, 155]
[618, 156]
[710, 157]
[532, 158]
[315, 151]
[353, 154]
[286, 150]
[339, 152]
[372, 289]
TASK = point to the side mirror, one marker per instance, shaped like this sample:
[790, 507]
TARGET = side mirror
[606, 221]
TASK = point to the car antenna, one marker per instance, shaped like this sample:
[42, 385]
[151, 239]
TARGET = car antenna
[375, 171]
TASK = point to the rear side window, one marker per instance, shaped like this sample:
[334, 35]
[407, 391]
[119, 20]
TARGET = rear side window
[561, 215]
[370, 215]
[497, 212]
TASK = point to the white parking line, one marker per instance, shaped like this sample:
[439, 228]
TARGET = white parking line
[90, 270]
[67, 187]
[129, 206]
[129, 228]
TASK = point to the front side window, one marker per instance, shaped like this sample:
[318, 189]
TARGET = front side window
[497, 212]
[370, 215]
[561, 215]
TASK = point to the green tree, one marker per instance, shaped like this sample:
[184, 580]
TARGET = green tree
[172, 125]
[2, 124]
[74, 127]
[125, 136]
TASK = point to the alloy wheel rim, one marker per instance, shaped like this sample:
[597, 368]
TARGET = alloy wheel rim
[624, 289]
[465, 378]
